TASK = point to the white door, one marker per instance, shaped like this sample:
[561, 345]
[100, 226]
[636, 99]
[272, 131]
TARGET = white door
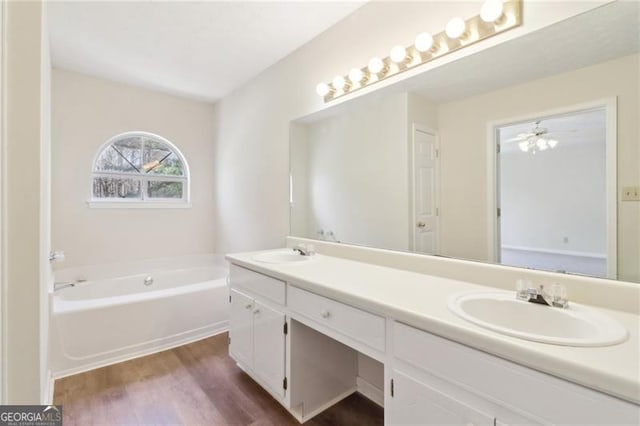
[415, 403]
[268, 346]
[241, 328]
[425, 219]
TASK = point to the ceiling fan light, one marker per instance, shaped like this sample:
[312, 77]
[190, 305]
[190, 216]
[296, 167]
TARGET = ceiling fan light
[524, 146]
[552, 143]
[542, 144]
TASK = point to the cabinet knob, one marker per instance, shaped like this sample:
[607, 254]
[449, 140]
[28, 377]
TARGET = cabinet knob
[256, 312]
[249, 306]
[325, 313]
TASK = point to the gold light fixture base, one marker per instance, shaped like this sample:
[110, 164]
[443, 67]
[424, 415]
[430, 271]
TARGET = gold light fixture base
[476, 30]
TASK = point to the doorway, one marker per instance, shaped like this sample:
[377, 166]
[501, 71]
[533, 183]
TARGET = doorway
[553, 184]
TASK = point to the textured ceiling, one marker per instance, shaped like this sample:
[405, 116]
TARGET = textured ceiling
[202, 49]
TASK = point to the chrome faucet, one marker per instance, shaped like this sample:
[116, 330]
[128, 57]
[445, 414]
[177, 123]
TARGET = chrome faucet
[556, 298]
[307, 250]
[63, 284]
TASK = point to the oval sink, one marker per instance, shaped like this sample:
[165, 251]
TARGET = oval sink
[500, 311]
[281, 256]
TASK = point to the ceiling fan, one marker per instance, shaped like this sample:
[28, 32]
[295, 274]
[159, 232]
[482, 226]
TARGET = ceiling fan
[535, 140]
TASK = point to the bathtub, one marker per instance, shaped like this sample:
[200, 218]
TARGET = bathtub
[110, 318]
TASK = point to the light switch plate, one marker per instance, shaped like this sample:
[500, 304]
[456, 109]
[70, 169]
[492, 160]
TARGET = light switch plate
[631, 193]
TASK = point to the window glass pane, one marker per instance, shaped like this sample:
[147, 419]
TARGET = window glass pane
[159, 189]
[159, 159]
[123, 155]
[115, 187]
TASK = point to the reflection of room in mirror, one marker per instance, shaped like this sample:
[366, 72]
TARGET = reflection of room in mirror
[553, 195]
[352, 164]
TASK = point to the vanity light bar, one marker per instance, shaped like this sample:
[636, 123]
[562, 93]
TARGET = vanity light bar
[496, 16]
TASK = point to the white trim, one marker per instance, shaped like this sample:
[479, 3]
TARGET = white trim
[144, 178]
[610, 107]
[369, 391]
[3, 204]
[556, 251]
[107, 203]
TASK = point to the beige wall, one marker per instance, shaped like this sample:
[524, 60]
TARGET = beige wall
[86, 112]
[463, 162]
[23, 197]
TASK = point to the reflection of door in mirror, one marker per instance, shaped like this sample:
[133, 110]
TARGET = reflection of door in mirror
[552, 186]
[424, 223]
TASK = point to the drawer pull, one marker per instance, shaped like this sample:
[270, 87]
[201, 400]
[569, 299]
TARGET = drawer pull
[325, 313]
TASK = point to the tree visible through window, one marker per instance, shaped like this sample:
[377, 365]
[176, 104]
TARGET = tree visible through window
[137, 166]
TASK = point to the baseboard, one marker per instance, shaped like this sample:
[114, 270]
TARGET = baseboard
[47, 393]
[370, 391]
[224, 327]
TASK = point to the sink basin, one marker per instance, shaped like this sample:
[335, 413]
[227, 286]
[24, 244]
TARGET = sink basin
[500, 311]
[281, 256]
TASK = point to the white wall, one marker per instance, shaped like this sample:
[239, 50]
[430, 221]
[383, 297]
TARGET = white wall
[357, 174]
[462, 150]
[252, 124]
[25, 156]
[86, 112]
[556, 194]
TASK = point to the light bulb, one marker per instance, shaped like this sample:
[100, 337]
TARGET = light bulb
[398, 54]
[542, 144]
[323, 89]
[552, 143]
[524, 146]
[491, 10]
[375, 65]
[356, 75]
[455, 28]
[424, 42]
[339, 82]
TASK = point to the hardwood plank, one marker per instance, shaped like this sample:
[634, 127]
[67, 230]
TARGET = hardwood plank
[195, 384]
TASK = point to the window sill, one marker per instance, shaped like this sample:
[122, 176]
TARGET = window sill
[94, 204]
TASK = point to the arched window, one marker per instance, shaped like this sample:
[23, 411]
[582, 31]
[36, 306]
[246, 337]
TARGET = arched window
[140, 167]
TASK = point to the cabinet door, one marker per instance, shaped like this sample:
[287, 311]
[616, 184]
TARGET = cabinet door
[268, 346]
[416, 403]
[240, 328]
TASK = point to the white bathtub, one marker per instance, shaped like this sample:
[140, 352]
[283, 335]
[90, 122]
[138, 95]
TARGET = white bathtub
[111, 319]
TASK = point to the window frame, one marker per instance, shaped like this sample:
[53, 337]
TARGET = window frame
[144, 201]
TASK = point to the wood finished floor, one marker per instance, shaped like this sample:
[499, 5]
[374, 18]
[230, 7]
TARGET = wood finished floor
[195, 384]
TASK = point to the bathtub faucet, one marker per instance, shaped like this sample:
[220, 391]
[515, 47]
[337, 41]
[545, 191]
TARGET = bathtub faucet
[63, 284]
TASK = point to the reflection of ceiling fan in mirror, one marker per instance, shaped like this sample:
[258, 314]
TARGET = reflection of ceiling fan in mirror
[538, 139]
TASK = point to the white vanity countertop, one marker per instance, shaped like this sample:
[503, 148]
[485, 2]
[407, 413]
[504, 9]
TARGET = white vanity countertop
[421, 301]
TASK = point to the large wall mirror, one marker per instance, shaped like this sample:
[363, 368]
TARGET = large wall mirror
[525, 154]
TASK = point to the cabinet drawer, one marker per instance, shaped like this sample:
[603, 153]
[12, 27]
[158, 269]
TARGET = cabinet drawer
[257, 283]
[352, 322]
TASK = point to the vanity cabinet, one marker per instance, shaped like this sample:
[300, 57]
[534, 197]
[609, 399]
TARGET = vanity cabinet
[257, 328]
[436, 381]
[415, 402]
[280, 330]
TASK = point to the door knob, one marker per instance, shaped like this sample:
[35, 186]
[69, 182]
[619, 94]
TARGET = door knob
[421, 224]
